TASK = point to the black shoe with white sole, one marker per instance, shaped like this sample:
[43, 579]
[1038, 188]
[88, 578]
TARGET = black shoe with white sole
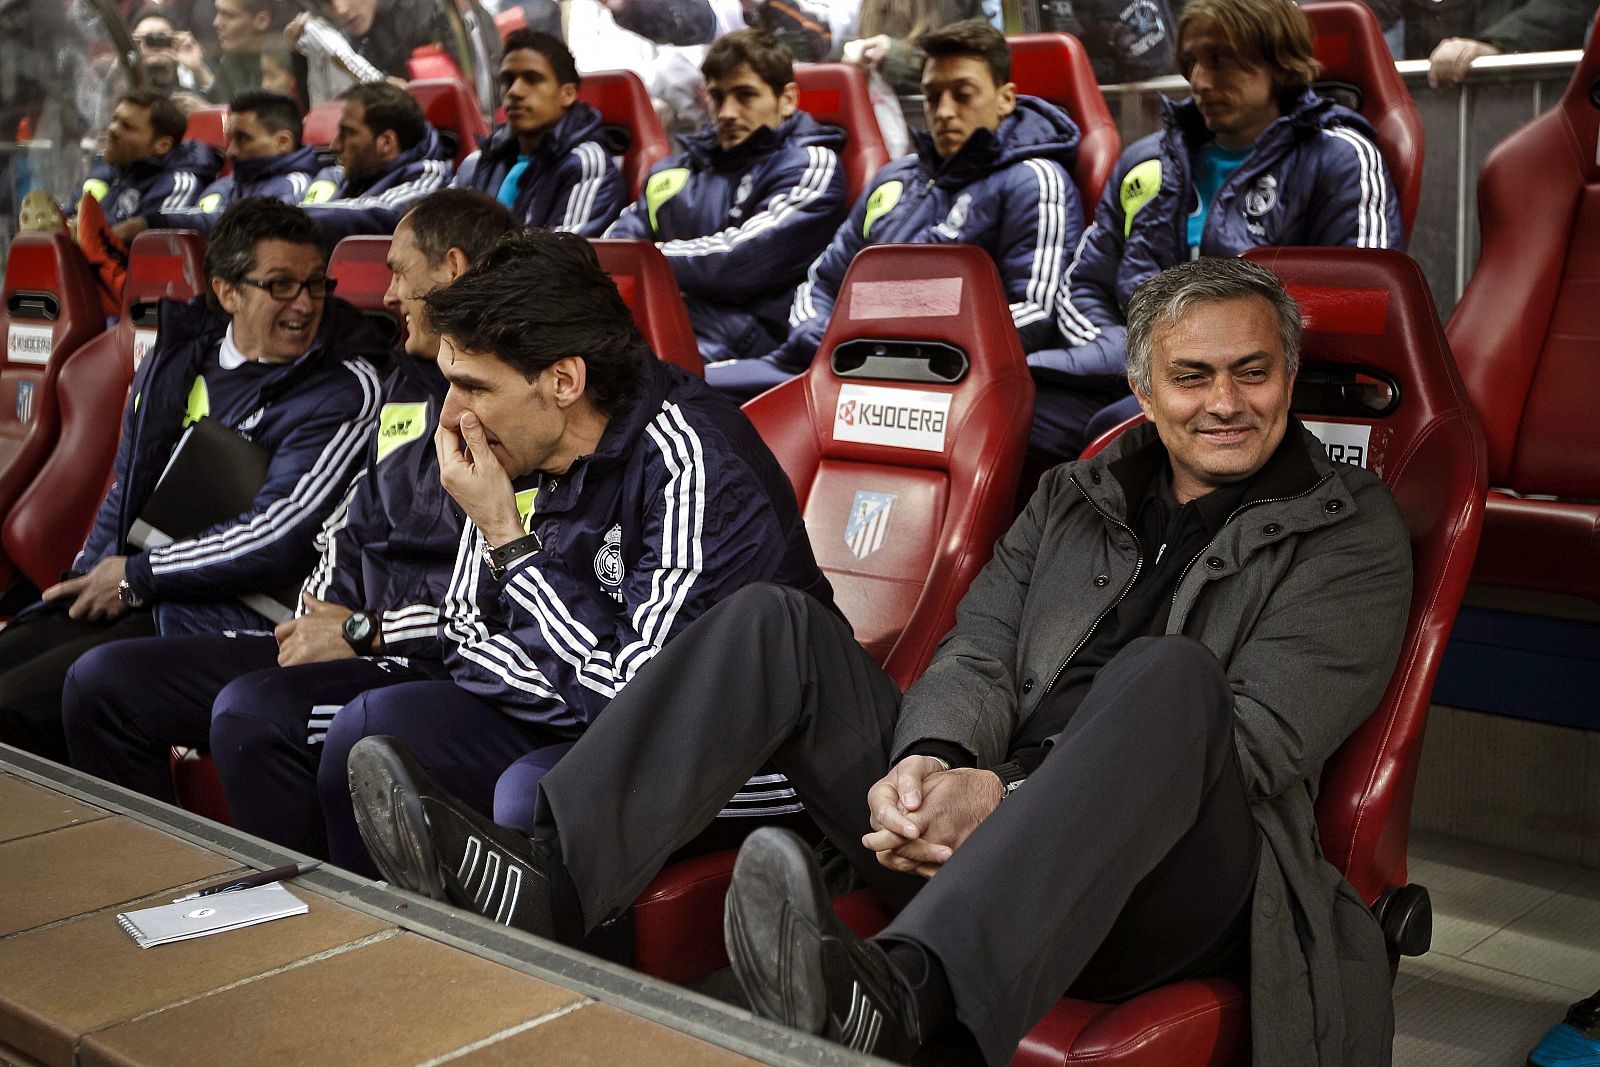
[425, 840]
[799, 965]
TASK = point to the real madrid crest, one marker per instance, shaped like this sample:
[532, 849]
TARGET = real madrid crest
[608, 560]
[128, 203]
[950, 228]
[1262, 197]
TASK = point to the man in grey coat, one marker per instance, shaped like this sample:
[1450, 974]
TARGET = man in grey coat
[1109, 766]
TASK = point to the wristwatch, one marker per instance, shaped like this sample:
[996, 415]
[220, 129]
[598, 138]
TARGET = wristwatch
[360, 630]
[126, 594]
[1011, 776]
[498, 559]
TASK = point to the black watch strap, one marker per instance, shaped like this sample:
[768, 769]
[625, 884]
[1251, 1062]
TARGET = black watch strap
[500, 558]
[1010, 774]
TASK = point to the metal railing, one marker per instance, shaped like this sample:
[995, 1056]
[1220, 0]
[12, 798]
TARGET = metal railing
[1460, 126]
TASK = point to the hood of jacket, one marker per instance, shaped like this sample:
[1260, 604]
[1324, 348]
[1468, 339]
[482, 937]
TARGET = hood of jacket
[302, 160]
[434, 145]
[1035, 130]
[198, 158]
[1301, 116]
[799, 130]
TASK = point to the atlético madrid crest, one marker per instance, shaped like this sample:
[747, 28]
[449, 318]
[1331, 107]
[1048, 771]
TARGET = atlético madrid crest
[868, 522]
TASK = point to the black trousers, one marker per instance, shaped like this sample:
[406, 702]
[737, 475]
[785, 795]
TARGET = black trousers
[36, 651]
[1126, 861]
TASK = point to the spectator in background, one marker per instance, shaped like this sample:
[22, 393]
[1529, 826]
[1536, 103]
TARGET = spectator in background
[548, 163]
[678, 22]
[268, 160]
[887, 33]
[244, 28]
[369, 40]
[171, 59]
[753, 200]
[1452, 33]
[1254, 158]
[389, 158]
[992, 170]
[279, 75]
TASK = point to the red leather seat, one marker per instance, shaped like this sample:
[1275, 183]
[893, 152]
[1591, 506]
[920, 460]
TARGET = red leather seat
[1054, 67]
[1368, 317]
[209, 125]
[1349, 45]
[321, 124]
[835, 94]
[450, 105]
[51, 308]
[648, 287]
[45, 528]
[900, 529]
[360, 266]
[1525, 333]
[622, 100]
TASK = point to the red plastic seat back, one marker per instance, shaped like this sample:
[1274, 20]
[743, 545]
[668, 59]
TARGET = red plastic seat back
[449, 105]
[1525, 327]
[906, 484]
[360, 265]
[510, 20]
[1054, 67]
[44, 529]
[1370, 310]
[51, 307]
[209, 125]
[1350, 46]
[622, 100]
[650, 290]
[321, 124]
[835, 94]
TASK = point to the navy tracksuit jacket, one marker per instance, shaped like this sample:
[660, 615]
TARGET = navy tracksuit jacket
[570, 184]
[155, 183]
[285, 177]
[374, 203]
[740, 226]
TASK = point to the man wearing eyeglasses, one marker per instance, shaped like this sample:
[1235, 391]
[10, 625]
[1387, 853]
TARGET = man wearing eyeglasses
[266, 353]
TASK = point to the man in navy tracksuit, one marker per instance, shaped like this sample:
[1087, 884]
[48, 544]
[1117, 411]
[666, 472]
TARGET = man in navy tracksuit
[268, 160]
[549, 163]
[611, 500]
[284, 366]
[147, 165]
[755, 198]
[389, 158]
[369, 615]
[992, 171]
[1253, 158]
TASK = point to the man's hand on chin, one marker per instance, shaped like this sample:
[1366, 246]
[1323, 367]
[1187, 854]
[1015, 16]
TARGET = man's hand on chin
[922, 813]
[93, 595]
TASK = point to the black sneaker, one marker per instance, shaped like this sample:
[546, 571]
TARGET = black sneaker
[425, 840]
[799, 965]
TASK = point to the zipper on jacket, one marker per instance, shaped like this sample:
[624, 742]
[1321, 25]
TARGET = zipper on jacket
[1235, 514]
[1138, 564]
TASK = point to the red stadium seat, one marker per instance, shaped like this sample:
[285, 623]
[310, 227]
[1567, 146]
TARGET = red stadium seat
[1350, 46]
[1377, 383]
[835, 94]
[1054, 67]
[1525, 333]
[321, 124]
[623, 101]
[51, 308]
[510, 20]
[43, 531]
[449, 105]
[360, 265]
[650, 290]
[432, 63]
[901, 520]
[209, 125]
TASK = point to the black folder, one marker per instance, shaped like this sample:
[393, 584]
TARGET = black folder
[212, 478]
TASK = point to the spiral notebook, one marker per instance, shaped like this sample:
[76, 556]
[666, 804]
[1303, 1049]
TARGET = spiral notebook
[234, 910]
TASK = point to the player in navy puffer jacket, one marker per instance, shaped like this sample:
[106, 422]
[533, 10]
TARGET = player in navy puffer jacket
[739, 226]
[570, 183]
[152, 183]
[373, 202]
[285, 177]
[1009, 192]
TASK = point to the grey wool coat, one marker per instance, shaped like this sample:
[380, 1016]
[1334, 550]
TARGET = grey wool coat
[1302, 596]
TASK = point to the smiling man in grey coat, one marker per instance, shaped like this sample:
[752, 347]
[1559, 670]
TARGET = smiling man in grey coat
[1110, 764]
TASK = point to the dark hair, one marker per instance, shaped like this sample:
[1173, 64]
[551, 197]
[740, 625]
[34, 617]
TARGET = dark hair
[231, 245]
[166, 118]
[973, 37]
[762, 52]
[1161, 301]
[389, 107]
[538, 297]
[458, 218]
[165, 15]
[273, 110]
[553, 49]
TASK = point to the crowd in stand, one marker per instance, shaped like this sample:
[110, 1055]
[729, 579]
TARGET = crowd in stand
[563, 622]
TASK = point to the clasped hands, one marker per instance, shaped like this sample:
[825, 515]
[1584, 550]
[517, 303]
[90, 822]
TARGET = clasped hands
[921, 813]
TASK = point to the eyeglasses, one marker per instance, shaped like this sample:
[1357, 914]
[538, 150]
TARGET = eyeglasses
[287, 289]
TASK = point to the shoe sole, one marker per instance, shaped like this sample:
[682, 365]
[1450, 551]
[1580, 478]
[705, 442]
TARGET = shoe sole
[388, 812]
[773, 929]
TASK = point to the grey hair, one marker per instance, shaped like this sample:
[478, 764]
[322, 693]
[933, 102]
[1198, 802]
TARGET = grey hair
[1160, 302]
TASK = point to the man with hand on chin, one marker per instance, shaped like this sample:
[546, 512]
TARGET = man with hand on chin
[611, 499]
[268, 353]
[261, 702]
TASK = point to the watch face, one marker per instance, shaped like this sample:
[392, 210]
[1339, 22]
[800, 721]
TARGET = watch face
[358, 627]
